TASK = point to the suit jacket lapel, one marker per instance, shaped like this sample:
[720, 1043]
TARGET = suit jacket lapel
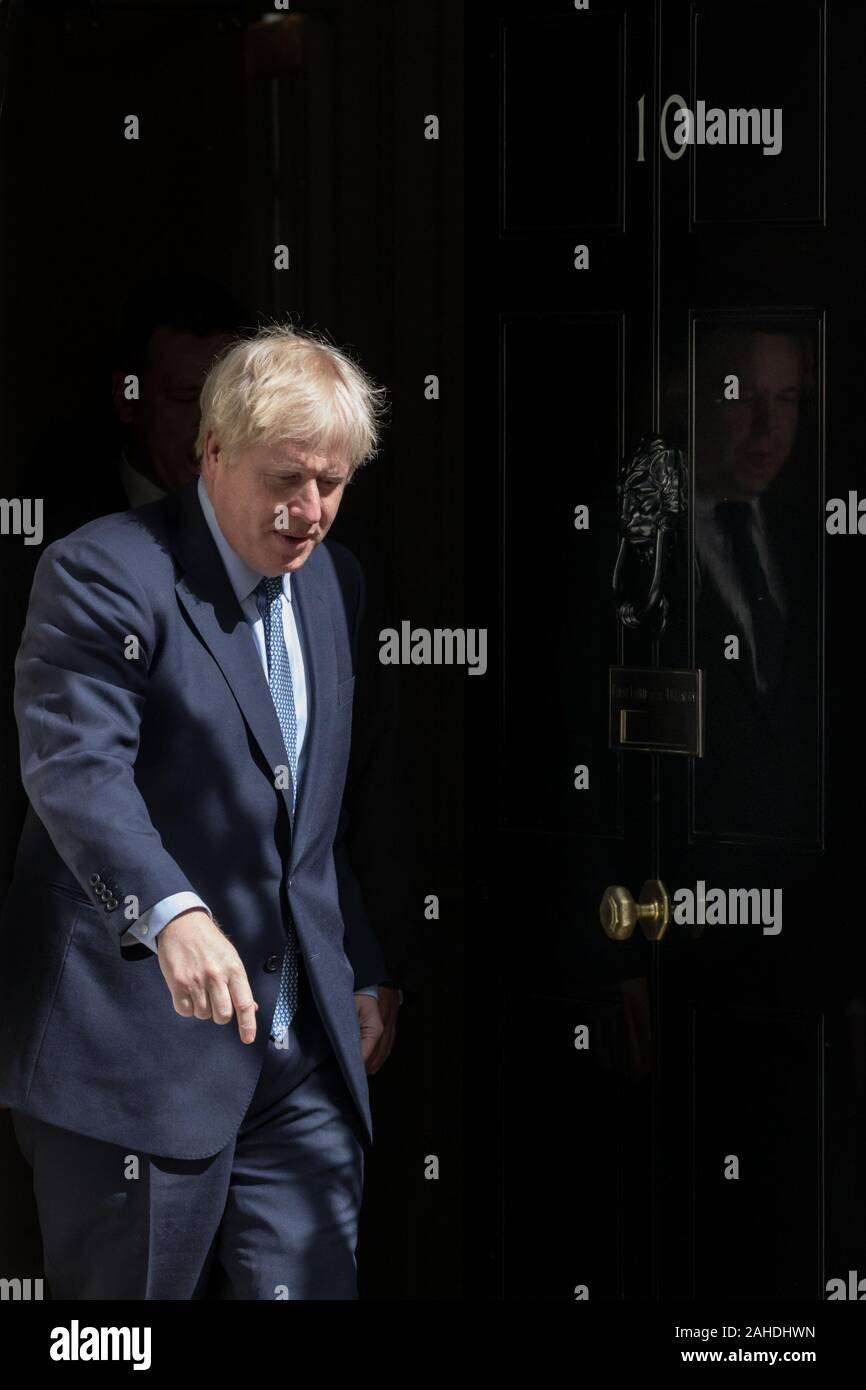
[207, 596]
[716, 617]
[316, 634]
[210, 603]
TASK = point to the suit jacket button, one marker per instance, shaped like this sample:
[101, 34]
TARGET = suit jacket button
[94, 879]
[272, 963]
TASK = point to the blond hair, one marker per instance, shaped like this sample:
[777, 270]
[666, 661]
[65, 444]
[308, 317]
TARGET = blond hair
[288, 384]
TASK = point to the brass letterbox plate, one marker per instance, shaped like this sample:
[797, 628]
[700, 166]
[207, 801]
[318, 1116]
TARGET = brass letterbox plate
[657, 710]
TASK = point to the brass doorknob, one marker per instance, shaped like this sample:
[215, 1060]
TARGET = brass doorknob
[619, 912]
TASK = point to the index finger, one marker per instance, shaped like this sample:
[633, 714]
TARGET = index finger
[245, 1005]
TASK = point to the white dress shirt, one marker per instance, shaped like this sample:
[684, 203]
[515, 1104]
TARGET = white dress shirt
[243, 580]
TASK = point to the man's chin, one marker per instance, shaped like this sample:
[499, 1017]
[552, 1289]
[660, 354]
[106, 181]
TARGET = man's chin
[290, 562]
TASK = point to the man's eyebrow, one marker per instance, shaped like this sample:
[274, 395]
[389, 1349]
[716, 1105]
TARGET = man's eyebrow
[335, 469]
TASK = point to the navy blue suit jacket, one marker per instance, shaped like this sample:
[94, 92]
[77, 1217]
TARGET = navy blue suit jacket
[155, 775]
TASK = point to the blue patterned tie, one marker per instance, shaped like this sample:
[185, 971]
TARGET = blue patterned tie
[269, 601]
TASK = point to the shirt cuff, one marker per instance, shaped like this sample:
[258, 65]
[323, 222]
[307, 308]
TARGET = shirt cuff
[371, 989]
[147, 927]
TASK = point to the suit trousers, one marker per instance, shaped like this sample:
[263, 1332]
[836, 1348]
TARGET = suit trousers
[273, 1215]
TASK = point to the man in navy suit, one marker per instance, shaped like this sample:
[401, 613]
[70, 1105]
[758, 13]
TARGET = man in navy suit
[184, 694]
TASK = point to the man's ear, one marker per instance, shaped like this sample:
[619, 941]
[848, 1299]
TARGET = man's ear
[210, 445]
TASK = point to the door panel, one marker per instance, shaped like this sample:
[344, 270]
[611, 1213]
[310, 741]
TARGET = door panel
[543, 356]
[544, 140]
[760, 777]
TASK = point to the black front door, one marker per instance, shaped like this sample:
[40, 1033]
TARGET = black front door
[670, 340]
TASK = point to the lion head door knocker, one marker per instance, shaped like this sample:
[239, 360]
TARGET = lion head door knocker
[652, 495]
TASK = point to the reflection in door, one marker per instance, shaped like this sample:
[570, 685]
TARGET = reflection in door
[757, 562]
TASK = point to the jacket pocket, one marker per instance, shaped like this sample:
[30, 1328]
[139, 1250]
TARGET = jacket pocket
[68, 890]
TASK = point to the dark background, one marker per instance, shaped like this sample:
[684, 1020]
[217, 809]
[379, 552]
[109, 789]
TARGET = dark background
[259, 128]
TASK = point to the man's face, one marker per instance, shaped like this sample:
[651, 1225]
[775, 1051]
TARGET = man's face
[743, 444]
[164, 421]
[274, 502]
